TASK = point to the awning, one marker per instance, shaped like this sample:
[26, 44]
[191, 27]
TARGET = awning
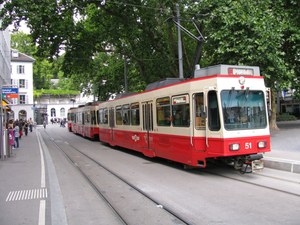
[4, 103]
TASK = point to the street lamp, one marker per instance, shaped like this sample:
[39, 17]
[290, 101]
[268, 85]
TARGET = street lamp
[73, 100]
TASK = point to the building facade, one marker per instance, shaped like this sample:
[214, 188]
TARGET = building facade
[4, 57]
[55, 107]
[22, 77]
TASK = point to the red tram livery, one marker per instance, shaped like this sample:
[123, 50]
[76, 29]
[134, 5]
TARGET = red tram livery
[84, 120]
[221, 114]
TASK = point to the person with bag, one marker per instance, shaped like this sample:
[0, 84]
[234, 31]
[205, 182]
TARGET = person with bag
[20, 128]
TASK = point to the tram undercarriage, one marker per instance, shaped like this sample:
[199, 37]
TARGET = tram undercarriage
[246, 163]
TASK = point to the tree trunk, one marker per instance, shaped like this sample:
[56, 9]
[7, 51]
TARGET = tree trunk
[273, 124]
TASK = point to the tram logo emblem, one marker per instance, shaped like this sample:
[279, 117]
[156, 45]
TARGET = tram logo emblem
[135, 138]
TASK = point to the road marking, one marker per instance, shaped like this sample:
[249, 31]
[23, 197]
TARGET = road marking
[42, 213]
[27, 194]
[43, 180]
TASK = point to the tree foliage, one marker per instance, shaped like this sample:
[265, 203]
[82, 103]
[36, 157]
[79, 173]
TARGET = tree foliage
[96, 35]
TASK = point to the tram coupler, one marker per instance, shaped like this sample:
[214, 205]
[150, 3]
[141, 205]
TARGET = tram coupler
[249, 163]
[257, 165]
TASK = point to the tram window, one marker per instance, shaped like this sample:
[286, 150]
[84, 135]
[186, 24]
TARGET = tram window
[163, 111]
[79, 117]
[243, 109]
[200, 122]
[119, 115]
[135, 114]
[72, 117]
[105, 116]
[213, 111]
[181, 111]
[87, 117]
[125, 115]
[93, 117]
[100, 116]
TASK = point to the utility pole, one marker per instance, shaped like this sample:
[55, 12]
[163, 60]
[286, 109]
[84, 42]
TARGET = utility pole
[125, 74]
[179, 44]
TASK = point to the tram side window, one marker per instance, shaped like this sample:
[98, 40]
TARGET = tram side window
[135, 114]
[105, 116]
[72, 117]
[83, 117]
[87, 117]
[100, 116]
[181, 111]
[163, 111]
[213, 111]
[93, 118]
[200, 122]
[125, 112]
[119, 115]
[79, 117]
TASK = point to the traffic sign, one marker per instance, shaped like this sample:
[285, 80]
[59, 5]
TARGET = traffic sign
[10, 92]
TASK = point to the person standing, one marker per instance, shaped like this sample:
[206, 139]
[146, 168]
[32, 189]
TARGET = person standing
[30, 124]
[26, 128]
[20, 128]
[16, 135]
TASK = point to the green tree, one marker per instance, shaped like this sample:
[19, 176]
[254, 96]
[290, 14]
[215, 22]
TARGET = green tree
[263, 33]
[22, 42]
[252, 33]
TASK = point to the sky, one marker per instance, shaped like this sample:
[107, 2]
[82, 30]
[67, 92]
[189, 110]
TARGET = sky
[23, 27]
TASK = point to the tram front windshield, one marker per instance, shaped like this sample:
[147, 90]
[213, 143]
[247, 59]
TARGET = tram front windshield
[243, 109]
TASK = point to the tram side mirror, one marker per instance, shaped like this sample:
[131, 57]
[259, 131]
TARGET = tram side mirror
[203, 113]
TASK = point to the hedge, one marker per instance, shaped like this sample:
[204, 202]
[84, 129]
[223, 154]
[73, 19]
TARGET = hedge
[285, 118]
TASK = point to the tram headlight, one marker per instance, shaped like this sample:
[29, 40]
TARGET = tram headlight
[262, 144]
[234, 147]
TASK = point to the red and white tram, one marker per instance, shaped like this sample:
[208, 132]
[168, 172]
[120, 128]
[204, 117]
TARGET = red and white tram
[84, 120]
[71, 118]
[221, 114]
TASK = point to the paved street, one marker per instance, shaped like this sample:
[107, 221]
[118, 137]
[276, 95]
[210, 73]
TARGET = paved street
[287, 138]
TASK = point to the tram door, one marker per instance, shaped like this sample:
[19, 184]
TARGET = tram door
[199, 140]
[148, 142]
[112, 125]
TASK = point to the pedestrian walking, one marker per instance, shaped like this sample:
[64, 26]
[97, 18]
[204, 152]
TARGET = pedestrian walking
[30, 124]
[20, 124]
[26, 127]
[16, 135]
[44, 124]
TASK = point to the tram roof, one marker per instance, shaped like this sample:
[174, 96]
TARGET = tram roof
[223, 69]
[163, 82]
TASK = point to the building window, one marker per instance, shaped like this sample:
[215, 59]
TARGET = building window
[20, 69]
[62, 112]
[22, 99]
[21, 83]
[53, 113]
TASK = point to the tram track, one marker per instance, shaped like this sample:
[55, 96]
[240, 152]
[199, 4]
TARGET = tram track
[260, 185]
[177, 219]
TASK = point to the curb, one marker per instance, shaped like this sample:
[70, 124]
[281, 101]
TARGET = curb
[282, 164]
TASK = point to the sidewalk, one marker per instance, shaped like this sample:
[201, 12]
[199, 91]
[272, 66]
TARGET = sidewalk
[285, 147]
[21, 173]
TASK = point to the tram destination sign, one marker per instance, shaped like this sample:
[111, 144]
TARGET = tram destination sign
[10, 92]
